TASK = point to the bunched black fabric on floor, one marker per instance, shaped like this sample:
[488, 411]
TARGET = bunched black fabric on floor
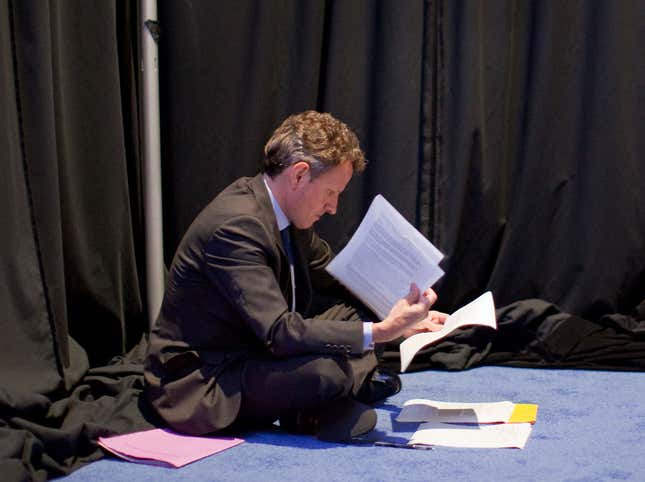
[535, 333]
[43, 437]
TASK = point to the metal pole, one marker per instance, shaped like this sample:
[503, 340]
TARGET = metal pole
[151, 159]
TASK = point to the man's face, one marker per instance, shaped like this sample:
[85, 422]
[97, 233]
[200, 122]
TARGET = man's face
[309, 200]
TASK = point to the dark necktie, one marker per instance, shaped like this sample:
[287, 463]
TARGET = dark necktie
[286, 242]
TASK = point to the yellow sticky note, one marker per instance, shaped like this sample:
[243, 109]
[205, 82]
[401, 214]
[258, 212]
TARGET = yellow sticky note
[524, 413]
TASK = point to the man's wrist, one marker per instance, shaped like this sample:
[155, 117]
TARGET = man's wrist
[368, 339]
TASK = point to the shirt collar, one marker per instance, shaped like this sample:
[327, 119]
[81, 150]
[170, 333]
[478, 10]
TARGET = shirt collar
[283, 221]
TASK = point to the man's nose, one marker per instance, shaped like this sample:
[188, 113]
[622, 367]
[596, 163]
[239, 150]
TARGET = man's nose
[331, 206]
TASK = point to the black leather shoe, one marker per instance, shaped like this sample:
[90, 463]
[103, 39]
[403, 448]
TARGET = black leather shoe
[378, 386]
[345, 419]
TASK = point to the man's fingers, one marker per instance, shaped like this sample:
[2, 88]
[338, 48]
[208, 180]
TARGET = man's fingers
[413, 294]
[430, 295]
[439, 317]
[423, 300]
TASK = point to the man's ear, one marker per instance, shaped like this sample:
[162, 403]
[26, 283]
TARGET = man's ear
[299, 174]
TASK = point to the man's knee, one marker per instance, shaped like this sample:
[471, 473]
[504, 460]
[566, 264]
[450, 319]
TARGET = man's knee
[333, 377]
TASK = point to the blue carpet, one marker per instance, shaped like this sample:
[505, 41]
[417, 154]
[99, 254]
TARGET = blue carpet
[590, 427]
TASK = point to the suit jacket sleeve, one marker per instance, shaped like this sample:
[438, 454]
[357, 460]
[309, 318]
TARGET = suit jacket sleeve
[244, 262]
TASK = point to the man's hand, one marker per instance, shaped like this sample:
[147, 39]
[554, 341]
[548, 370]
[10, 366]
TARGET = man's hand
[433, 322]
[406, 313]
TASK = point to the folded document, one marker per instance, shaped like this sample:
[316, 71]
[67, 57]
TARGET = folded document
[481, 311]
[502, 435]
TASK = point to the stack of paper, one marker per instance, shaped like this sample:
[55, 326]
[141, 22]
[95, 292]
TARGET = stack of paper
[482, 425]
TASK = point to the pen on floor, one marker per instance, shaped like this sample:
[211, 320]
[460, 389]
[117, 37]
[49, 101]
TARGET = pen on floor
[397, 445]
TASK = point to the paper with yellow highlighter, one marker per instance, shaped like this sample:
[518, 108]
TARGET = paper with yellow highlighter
[420, 410]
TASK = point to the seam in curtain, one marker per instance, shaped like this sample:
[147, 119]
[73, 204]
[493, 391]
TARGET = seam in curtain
[60, 349]
[428, 201]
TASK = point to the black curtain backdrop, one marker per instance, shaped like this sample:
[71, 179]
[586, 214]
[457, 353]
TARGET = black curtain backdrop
[507, 131]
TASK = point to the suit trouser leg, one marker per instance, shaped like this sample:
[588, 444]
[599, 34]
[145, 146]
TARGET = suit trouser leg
[274, 388]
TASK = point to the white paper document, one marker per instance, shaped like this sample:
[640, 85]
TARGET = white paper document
[478, 312]
[420, 410]
[385, 255]
[503, 435]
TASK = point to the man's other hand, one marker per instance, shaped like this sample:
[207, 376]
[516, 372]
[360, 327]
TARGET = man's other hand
[433, 322]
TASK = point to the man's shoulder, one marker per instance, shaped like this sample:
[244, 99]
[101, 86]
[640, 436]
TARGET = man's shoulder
[243, 199]
[241, 186]
[242, 196]
[238, 210]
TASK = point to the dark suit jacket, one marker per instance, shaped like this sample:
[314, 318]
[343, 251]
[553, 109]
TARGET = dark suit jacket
[227, 300]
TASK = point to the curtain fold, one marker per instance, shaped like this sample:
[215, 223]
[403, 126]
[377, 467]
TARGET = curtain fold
[68, 194]
[25, 316]
[34, 309]
[374, 82]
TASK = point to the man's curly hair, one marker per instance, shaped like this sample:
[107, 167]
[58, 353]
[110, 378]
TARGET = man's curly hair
[316, 138]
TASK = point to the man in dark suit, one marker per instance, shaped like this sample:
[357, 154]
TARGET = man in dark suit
[234, 344]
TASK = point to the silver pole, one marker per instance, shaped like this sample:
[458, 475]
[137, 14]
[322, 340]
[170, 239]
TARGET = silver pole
[151, 162]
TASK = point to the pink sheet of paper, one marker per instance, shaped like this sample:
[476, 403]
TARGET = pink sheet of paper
[165, 447]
